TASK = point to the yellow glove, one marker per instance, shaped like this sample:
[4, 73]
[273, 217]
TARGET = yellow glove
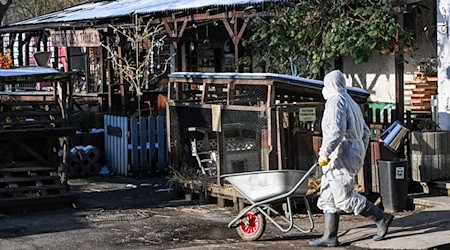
[323, 161]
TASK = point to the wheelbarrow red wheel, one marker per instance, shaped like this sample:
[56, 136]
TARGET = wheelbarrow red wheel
[252, 226]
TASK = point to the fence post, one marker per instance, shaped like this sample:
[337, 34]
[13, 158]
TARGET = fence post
[394, 115]
[408, 118]
[123, 124]
[386, 117]
[107, 139]
[370, 116]
[377, 116]
[134, 146]
[143, 139]
[152, 140]
[162, 143]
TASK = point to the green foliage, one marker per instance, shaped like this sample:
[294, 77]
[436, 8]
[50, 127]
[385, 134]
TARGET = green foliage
[428, 126]
[315, 32]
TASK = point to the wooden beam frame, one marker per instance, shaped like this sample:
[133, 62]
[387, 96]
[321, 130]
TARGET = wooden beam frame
[174, 33]
[236, 36]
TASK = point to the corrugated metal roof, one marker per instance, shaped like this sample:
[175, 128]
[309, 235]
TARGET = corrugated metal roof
[109, 9]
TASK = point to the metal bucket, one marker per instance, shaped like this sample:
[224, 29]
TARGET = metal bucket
[394, 135]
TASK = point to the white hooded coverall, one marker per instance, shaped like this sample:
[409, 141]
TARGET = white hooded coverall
[345, 139]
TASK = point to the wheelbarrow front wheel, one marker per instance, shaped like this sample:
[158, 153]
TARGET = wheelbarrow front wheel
[251, 226]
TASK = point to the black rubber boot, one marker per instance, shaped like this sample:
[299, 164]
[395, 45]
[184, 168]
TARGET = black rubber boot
[381, 219]
[329, 237]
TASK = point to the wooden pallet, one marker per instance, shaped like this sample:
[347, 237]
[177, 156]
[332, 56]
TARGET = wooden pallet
[418, 95]
[222, 195]
[30, 187]
[227, 194]
[436, 187]
[422, 76]
[32, 114]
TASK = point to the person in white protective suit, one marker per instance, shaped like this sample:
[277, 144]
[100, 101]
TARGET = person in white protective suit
[345, 140]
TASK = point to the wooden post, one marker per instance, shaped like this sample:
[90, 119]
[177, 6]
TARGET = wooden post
[110, 70]
[26, 42]
[70, 97]
[20, 56]
[38, 44]
[290, 147]
[103, 70]
[123, 93]
[271, 136]
[236, 46]
[279, 135]
[45, 41]
[87, 70]
[220, 155]
[220, 201]
[11, 44]
[55, 57]
[68, 55]
[27, 54]
[103, 62]
[399, 72]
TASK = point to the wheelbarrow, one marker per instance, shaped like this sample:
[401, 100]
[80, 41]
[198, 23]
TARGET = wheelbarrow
[261, 189]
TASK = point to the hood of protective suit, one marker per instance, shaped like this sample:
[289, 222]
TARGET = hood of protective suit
[334, 84]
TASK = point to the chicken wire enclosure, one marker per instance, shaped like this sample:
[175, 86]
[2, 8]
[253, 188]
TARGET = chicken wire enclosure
[240, 141]
[244, 122]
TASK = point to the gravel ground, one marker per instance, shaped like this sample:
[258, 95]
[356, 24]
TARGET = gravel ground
[124, 213]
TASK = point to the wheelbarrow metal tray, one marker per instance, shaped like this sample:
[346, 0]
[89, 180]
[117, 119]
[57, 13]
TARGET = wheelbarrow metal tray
[261, 185]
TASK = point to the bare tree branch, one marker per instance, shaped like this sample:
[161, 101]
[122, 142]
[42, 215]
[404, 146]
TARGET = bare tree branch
[138, 71]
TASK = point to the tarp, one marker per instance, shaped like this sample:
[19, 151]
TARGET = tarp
[110, 9]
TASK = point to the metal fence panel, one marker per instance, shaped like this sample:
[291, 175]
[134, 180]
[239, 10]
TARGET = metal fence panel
[116, 143]
[141, 147]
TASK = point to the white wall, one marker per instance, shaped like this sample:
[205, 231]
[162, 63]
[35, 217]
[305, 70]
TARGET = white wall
[443, 47]
[377, 76]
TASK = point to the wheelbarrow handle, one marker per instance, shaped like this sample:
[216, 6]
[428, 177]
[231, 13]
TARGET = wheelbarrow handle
[305, 177]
